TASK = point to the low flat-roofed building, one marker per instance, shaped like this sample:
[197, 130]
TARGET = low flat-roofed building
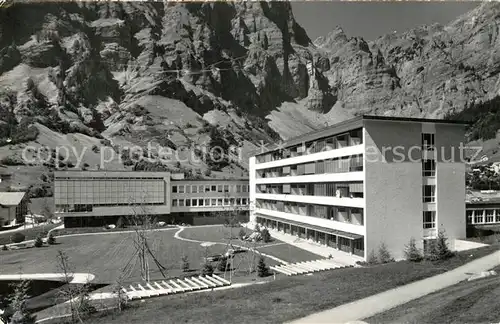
[13, 208]
[96, 198]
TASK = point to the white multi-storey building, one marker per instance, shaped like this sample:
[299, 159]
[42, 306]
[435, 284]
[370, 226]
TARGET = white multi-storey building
[365, 182]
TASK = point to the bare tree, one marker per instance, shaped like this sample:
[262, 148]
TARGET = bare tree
[144, 225]
[77, 296]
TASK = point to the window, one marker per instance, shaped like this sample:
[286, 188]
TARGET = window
[214, 202]
[238, 201]
[174, 189]
[181, 189]
[207, 188]
[174, 203]
[490, 215]
[429, 193]
[219, 188]
[200, 188]
[219, 202]
[245, 188]
[188, 189]
[429, 220]
[194, 202]
[188, 202]
[238, 188]
[214, 188]
[226, 188]
[194, 189]
[181, 202]
[226, 202]
[243, 201]
[478, 217]
[428, 142]
[207, 202]
[497, 215]
[428, 168]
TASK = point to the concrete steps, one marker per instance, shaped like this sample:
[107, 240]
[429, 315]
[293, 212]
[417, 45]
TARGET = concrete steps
[299, 268]
[162, 288]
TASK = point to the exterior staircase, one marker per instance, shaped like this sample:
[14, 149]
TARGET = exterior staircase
[300, 268]
[173, 286]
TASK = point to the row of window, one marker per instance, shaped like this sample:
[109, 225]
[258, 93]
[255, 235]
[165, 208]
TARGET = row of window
[428, 141]
[337, 165]
[340, 214]
[84, 208]
[483, 216]
[209, 202]
[209, 188]
[354, 137]
[428, 168]
[328, 189]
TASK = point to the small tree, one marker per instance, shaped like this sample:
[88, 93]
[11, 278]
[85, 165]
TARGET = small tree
[372, 258]
[266, 237]
[18, 299]
[208, 269]
[384, 256]
[411, 251]
[262, 269]
[438, 249]
[38, 241]
[51, 240]
[242, 233]
[222, 265]
[185, 264]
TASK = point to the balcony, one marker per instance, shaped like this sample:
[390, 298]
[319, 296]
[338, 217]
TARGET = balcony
[319, 200]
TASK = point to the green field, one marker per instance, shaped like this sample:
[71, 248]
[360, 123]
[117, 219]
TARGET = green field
[108, 255]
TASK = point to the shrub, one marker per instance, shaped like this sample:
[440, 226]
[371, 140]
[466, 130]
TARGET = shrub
[372, 258]
[185, 264]
[17, 237]
[266, 237]
[384, 256]
[262, 269]
[5, 248]
[242, 234]
[412, 253]
[207, 270]
[38, 241]
[222, 266]
[438, 249]
[51, 240]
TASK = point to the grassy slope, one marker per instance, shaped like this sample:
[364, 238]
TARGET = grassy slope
[285, 299]
[467, 302]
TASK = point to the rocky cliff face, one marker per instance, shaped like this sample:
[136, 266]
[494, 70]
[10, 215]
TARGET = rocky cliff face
[123, 73]
[428, 71]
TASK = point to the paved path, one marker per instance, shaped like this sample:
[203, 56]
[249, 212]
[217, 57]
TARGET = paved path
[81, 278]
[177, 236]
[378, 303]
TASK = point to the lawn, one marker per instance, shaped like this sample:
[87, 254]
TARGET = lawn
[30, 233]
[109, 255]
[285, 298]
[466, 302]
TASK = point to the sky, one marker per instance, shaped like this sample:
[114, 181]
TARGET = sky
[373, 19]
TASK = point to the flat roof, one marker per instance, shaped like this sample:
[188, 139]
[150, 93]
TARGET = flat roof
[110, 174]
[348, 125]
[11, 198]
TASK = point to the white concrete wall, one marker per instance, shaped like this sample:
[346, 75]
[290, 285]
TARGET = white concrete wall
[252, 184]
[450, 176]
[393, 190]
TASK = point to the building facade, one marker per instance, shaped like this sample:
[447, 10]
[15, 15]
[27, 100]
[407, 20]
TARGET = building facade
[364, 182]
[13, 208]
[95, 198]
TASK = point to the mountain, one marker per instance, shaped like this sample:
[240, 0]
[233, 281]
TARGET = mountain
[101, 77]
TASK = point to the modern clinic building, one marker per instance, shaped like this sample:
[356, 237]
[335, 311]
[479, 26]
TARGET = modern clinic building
[364, 182]
[96, 198]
